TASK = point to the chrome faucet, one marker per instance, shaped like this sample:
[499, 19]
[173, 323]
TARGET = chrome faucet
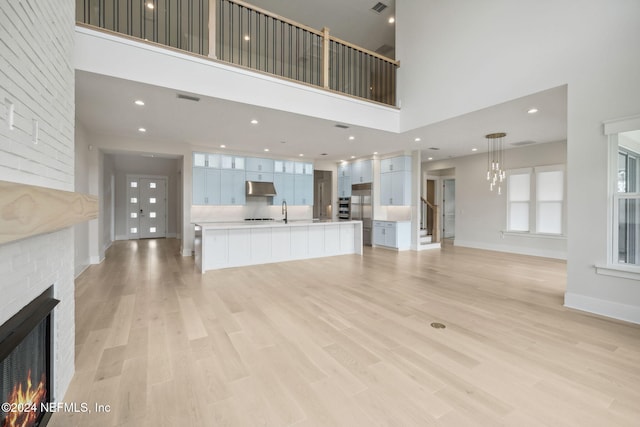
[284, 210]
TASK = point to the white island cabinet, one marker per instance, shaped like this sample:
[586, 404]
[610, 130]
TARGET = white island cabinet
[222, 245]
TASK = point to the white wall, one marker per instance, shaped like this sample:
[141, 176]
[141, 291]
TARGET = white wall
[81, 231]
[459, 56]
[138, 165]
[115, 56]
[37, 76]
[481, 215]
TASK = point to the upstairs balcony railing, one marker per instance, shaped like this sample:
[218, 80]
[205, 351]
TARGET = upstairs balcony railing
[247, 36]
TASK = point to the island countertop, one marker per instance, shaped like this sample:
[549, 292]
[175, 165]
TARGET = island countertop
[212, 225]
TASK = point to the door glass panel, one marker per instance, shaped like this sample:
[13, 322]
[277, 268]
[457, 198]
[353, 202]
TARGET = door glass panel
[152, 185]
[134, 184]
[134, 215]
[152, 200]
[134, 200]
[134, 230]
[152, 214]
[152, 229]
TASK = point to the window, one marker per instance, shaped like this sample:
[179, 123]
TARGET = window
[627, 199]
[134, 184]
[152, 185]
[519, 193]
[535, 200]
[623, 252]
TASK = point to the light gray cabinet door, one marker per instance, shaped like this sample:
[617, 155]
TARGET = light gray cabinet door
[303, 190]
[232, 188]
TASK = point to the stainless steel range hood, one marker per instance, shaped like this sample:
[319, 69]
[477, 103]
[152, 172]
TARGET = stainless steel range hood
[257, 188]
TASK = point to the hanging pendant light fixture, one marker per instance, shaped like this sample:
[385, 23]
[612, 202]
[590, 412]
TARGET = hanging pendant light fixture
[495, 160]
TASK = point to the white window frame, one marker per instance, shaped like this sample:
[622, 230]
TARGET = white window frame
[612, 267]
[533, 200]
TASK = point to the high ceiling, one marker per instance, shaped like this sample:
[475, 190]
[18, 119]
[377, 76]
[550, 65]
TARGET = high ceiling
[352, 20]
[103, 105]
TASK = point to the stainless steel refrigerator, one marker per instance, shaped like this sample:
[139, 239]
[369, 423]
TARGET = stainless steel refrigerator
[362, 209]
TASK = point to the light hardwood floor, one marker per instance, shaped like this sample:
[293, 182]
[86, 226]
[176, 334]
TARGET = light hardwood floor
[345, 341]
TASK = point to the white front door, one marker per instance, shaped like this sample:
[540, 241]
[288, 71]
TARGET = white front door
[146, 202]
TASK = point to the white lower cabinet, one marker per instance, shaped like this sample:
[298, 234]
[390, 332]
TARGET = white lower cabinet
[392, 234]
[229, 245]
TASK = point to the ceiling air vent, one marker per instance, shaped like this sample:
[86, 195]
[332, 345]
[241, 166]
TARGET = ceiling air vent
[342, 126]
[434, 148]
[379, 7]
[520, 143]
[188, 97]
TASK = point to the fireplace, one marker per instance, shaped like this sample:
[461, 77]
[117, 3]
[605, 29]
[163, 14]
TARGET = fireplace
[26, 364]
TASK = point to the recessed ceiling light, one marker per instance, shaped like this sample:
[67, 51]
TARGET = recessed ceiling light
[266, 149]
[392, 20]
[430, 158]
[142, 130]
[223, 146]
[351, 138]
[474, 149]
[532, 110]
[375, 152]
[150, 6]
[139, 102]
[246, 37]
[342, 161]
[301, 155]
[353, 157]
[418, 139]
[254, 122]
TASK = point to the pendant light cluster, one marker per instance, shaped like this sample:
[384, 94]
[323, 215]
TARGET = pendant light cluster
[495, 160]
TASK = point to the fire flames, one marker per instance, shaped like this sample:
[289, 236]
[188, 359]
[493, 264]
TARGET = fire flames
[27, 398]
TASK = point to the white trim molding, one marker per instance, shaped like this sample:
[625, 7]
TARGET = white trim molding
[628, 313]
[625, 272]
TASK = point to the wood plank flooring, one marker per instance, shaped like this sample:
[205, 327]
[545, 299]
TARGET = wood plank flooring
[345, 341]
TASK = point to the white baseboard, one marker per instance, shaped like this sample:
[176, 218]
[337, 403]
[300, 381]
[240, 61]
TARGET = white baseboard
[615, 310]
[79, 269]
[511, 249]
[425, 247]
[96, 260]
[121, 237]
[171, 235]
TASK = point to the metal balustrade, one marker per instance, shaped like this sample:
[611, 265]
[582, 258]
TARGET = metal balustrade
[239, 33]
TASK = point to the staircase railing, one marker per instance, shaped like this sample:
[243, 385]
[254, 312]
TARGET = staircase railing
[430, 219]
[247, 36]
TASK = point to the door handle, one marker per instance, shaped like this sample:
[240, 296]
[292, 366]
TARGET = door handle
[141, 214]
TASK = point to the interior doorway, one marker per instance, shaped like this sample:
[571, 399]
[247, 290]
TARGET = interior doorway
[448, 208]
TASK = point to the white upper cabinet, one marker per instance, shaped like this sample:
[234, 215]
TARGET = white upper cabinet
[255, 164]
[344, 169]
[283, 166]
[303, 168]
[232, 162]
[395, 181]
[395, 164]
[206, 160]
[362, 172]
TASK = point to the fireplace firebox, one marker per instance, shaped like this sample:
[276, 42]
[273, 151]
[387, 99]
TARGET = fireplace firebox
[26, 370]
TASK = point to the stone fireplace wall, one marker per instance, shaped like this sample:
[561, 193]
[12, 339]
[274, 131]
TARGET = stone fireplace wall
[37, 148]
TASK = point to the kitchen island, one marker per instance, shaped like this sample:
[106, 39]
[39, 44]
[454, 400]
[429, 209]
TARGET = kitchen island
[234, 244]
